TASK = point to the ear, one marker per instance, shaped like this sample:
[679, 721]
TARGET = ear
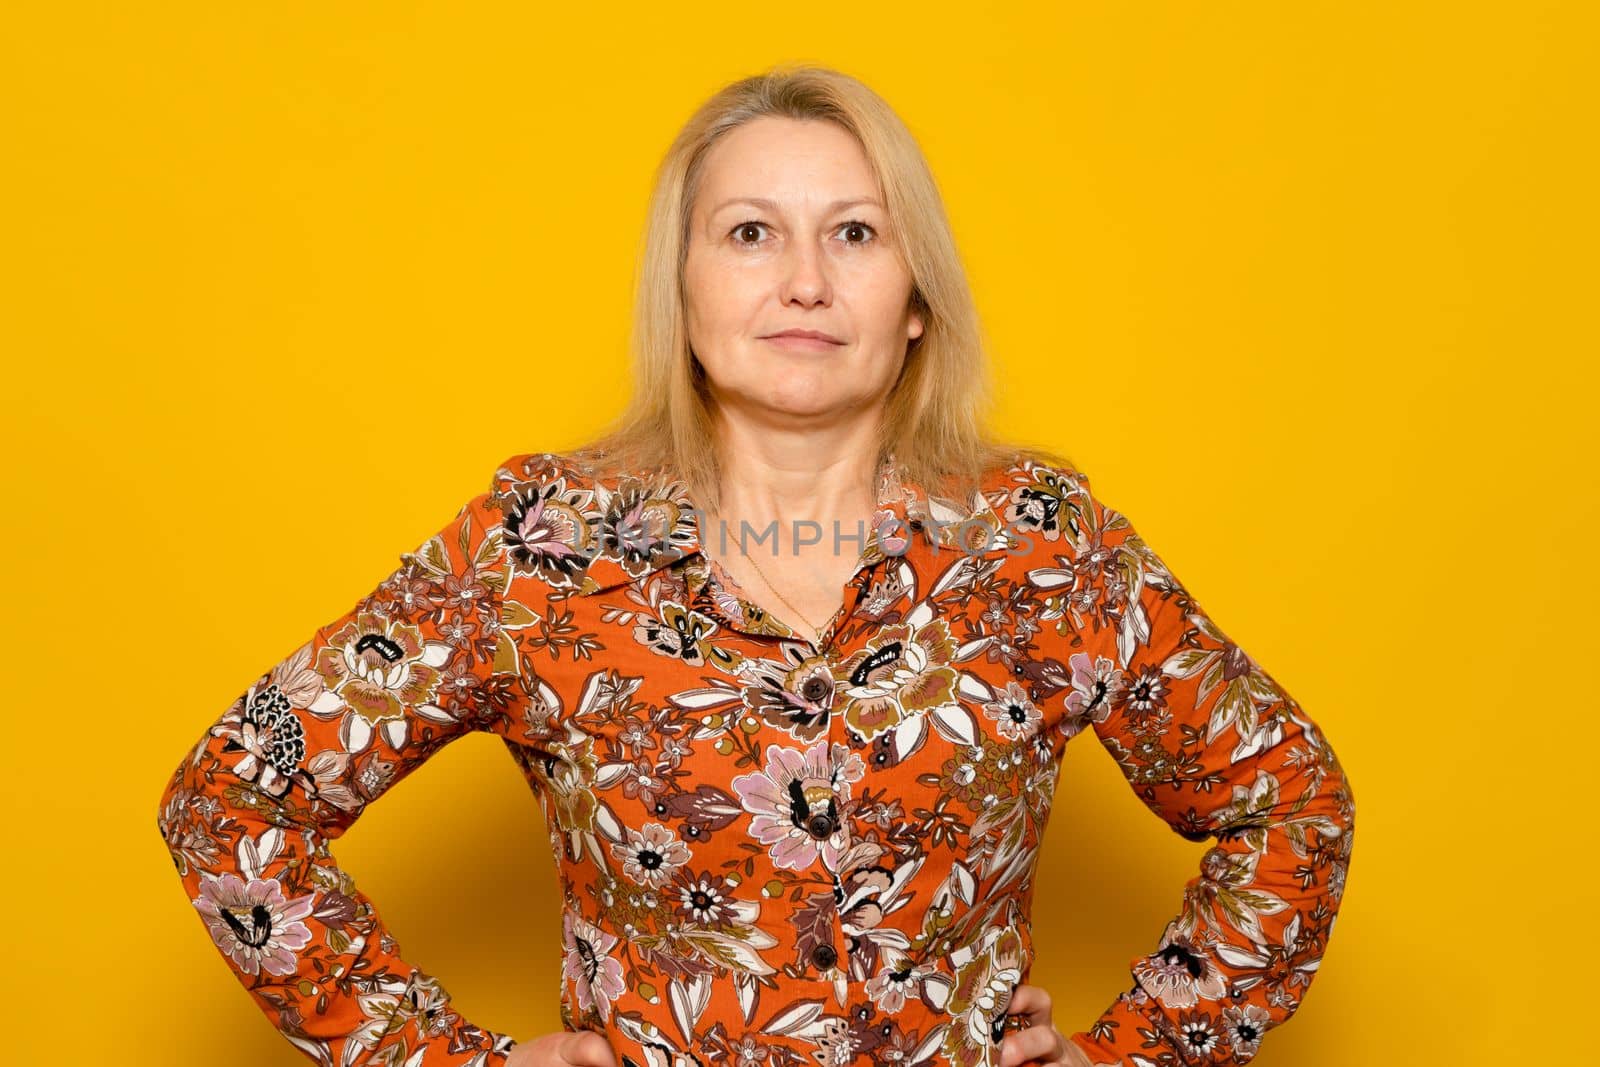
[913, 326]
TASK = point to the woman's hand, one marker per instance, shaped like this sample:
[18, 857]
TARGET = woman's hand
[1038, 1040]
[564, 1048]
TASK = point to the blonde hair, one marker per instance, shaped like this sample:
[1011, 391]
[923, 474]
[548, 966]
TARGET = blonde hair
[935, 413]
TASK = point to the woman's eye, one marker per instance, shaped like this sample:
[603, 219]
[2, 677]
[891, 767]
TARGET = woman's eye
[856, 225]
[856, 231]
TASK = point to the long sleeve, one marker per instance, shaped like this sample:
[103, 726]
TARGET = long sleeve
[249, 814]
[1211, 743]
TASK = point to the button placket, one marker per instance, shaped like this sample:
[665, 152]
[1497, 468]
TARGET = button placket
[821, 825]
[826, 956]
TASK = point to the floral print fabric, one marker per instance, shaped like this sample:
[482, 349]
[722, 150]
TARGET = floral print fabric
[774, 853]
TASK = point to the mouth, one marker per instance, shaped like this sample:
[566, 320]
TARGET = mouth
[803, 340]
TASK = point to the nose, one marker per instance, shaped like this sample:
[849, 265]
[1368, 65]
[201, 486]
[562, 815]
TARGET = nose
[805, 275]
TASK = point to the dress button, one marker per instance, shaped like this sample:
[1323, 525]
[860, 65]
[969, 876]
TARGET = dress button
[824, 956]
[820, 826]
[814, 688]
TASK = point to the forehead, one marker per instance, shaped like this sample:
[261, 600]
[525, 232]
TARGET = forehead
[795, 163]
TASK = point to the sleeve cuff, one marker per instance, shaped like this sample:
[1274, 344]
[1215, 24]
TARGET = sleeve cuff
[1125, 1035]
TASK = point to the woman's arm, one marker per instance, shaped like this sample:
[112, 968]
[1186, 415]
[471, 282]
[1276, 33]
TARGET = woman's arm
[250, 813]
[1212, 744]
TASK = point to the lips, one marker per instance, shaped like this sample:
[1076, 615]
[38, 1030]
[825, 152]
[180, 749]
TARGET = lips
[804, 335]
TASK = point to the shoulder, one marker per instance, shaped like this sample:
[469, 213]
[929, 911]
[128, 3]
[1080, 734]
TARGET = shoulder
[1038, 493]
[539, 468]
[578, 469]
[564, 514]
[555, 491]
[543, 503]
[1027, 473]
[536, 481]
[584, 482]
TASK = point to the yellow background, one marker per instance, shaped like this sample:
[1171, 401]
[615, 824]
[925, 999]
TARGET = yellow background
[1308, 292]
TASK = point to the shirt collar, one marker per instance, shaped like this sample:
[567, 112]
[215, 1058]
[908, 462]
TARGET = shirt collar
[660, 509]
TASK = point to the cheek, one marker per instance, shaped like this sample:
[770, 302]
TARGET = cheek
[724, 312]
[720, 300]
[880, 298]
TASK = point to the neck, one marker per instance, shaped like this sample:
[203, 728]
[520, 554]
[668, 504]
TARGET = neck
[822, 476]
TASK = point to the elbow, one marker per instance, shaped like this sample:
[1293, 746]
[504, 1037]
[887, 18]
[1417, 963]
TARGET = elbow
[169, 813]
[1344, 798]
[1335, 795]
[1343, 817]
[178, 806]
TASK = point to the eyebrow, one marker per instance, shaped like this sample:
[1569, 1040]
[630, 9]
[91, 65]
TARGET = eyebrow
[772, 206]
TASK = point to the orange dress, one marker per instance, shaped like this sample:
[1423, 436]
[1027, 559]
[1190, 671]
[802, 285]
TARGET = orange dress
[773, 853]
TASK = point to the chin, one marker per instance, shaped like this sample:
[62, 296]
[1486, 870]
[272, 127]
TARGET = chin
[809, 408]
[810, 402]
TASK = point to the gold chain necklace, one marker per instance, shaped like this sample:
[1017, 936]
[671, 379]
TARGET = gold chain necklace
[780, 596]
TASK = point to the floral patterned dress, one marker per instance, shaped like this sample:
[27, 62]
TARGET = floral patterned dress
[774, 853]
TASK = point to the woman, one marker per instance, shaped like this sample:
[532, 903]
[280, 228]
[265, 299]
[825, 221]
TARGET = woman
[790, 658]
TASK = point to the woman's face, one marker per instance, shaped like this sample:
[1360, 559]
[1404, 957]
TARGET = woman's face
[788, 232]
